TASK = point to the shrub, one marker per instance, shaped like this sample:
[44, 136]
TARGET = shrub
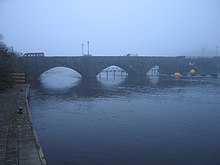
[6, 67]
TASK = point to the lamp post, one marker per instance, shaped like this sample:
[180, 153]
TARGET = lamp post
[82, 49]
[88, 47]
[217, 50]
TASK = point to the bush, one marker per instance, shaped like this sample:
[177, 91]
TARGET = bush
[6, 67]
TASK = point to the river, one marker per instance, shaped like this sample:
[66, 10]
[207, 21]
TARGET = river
[120, 121]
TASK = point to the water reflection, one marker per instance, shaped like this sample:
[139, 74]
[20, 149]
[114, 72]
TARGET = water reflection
[143, 121]
[68, 83]
[60, 78]
[154, 80]
[94, 88]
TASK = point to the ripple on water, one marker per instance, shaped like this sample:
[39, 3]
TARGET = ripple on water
[175, 121]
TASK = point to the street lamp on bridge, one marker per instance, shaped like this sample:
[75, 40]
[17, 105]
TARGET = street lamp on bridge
[82, 49]
[88, 47]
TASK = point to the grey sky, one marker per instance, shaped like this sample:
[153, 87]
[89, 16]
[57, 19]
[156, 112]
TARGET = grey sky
[155, 27]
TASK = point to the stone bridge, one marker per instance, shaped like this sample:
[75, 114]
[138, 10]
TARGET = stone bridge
[135, 66]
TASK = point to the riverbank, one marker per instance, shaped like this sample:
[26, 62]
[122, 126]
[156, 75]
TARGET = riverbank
[19, 144]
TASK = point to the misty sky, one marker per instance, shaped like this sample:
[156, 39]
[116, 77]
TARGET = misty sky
[113, 27]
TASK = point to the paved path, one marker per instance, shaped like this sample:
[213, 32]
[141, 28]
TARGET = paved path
[18, 142]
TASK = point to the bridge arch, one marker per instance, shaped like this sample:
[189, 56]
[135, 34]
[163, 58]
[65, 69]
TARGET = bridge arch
[154, 71]
[59, 69]
[109, 65]
[113, 68]
[38, 65]
[112, 76]
[42, 71]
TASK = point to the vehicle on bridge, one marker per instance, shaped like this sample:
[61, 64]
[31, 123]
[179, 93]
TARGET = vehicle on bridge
[34, 54]
[131, 54]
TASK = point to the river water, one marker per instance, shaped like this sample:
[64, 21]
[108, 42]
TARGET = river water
[122, 121]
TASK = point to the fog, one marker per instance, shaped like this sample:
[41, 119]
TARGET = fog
[113, 27]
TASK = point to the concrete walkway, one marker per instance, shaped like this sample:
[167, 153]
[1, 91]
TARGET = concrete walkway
[19, 144]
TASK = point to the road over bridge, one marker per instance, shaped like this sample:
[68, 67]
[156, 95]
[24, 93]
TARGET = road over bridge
[135, 66]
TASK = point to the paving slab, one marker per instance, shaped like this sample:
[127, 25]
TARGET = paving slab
[19, 144]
